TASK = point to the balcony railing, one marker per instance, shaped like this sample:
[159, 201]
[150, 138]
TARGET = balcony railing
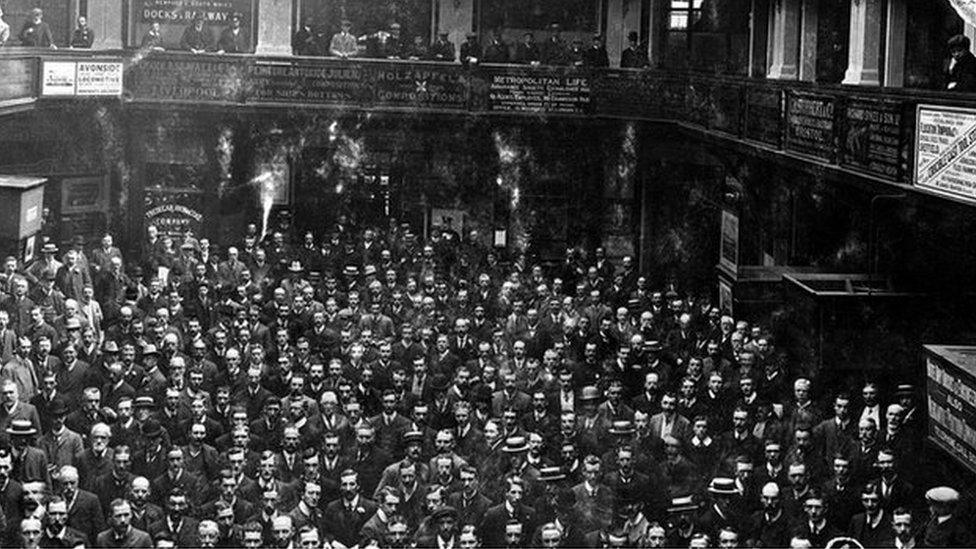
[870, 131]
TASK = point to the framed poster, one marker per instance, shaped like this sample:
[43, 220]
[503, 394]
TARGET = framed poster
[729, 243]
[945, 151]
[87, 194]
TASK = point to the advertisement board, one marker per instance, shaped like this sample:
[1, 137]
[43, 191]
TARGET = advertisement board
[58, 78]
[945, 159]
[951, 389]
[82, 78]
[174, 16]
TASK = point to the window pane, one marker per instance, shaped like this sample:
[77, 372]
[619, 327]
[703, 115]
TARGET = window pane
[679, 21]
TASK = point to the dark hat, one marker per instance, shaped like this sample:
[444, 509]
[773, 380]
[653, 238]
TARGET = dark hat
[151, 428]
[137, 271]
[482, 394]
[295, 267]
[722, 486]
[144, 402]
[632, 35]
[413, 436]
[623, 427]
[78, 240]
[589, 393]
[272, 399]
[57, 407]
[551, 474]
[237, 15]
[49, 248]
[627, 496]
[905, 389]
[48, 275]
[110, 346]
[21, 428]
[515, 445]
[444, 512]
[440, 383]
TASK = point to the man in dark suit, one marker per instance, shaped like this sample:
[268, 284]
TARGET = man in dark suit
[234, 38]
[84, 509]
[945, 527]
[349, 513]
[959, 69]
[176, 524]
[816, 527]
[121, 533]
[57, 533]
[176, 476]
[495, 519]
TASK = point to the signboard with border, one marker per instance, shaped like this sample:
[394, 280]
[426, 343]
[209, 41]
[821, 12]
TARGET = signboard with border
[945, 151]
[951, 390]
[729, 243]
[59, 78]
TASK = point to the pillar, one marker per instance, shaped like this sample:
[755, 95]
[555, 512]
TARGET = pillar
[456, 17]
[275, 27]
[808, 40]
[864, 47]
[105, 18]
[895, 37]
[785, 40]
[657, 31]
[758, 37]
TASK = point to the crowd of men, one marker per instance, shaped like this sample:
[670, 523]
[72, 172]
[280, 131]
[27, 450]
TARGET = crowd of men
[376, 389]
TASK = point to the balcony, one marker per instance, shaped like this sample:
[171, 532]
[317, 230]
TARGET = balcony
[865, 132]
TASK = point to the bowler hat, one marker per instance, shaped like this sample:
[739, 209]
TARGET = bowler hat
[440, 383]
[48, 274]
[151, 428]
[21, 428]
[444, 512]
[57, 408]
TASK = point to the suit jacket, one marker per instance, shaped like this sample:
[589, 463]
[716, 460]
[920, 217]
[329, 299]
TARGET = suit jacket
[596, 511]
[681, 429]
[134, 538]
[495, 519]
[346, 524]
[85, 514]
[470, 511]
[22, 410]
[962, 76]
[879, 536]
[186, 534]
[520, 401]
[63, 449]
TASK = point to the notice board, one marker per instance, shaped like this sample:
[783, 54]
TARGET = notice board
[945, 159]
[951, 388]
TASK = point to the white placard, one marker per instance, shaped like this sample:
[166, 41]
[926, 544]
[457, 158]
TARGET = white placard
[99, 78]
[945, 151]
[59, 78]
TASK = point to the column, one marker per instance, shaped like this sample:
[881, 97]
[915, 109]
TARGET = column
[894, 74]
[785, 40]
[758, 37]
[864, 48]
[808, 41]
[656, 28]
[106, 20]
[275, 27]
[456, 17]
